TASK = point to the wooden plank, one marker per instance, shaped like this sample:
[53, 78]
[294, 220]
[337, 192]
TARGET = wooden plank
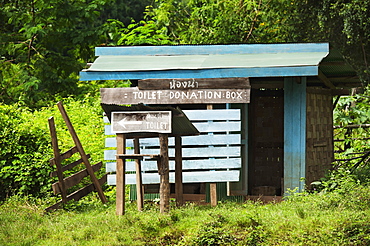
[66, 154]
[74, 179]
[178, 172]
[213, 186]
[187, 152]
[110, 167]
[108, 130]
[191, 83]
[188, 177]
[213, 194]
[69, 166]
[121, 178]
[82, 152]
[111, 142]
[139, 181]
[69, 153]
[57, 158]
[137, 156]
[325, 80]
[232, 126]
[219, 139]
[163, 170]
[217, 114]
[132, 95]
[78, 194]
[203, 115]
[201, 164]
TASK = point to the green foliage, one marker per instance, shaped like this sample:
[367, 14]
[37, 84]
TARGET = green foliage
[45, 44]
[344, 23]
[25, 147]
[303, 219]
[138, 33]
[223, 22]
[124, 10]
[213, 233]
[352, 111]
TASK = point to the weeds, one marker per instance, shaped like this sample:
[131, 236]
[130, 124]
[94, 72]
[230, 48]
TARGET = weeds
[321, 218]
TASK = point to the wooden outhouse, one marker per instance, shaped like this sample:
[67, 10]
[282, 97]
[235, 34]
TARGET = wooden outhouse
[285, 103]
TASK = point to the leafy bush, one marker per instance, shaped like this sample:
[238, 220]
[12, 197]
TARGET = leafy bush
[23, 153]
[25, 147]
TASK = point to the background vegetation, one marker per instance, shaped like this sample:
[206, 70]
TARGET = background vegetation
[45, 43]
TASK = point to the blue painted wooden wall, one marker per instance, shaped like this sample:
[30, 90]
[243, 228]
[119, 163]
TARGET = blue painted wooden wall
[294, 132]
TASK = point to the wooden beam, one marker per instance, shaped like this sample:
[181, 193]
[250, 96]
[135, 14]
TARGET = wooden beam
[120, 175]
[178, 172]
[139, 180]
[74, 179]
[66, 154]
[191, 83]
[68, 166]
[78, 194]
[213, 194]
[82, 152]
[163, 169]
[133, 95]
[212, 186]
[57, 158]
[325, 80]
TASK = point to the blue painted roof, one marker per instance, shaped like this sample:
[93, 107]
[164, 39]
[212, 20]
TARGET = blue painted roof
[206, 61]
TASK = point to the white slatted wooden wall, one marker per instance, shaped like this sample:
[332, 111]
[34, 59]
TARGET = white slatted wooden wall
[213, 156]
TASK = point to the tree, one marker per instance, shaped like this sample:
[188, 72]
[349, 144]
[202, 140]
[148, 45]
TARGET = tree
[224, 22]
[345, 24]
[45, 43]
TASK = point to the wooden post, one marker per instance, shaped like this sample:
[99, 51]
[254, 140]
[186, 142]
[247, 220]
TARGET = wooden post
[139, 180]
[163, 169]
[213, 194]
[120, 174]
[178, 172]
[57, 161]
[212, 186]
[81, 150]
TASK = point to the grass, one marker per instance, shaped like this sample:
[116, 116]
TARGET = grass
[303, 219]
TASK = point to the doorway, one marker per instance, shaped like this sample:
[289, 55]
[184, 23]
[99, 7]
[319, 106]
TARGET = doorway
[266, 142]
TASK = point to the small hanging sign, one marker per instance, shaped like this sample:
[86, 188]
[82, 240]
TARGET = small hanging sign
[141, 121]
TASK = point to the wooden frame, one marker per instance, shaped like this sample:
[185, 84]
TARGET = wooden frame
[64, 183]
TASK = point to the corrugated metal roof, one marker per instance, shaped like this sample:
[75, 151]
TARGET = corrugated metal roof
[219, 61]
[185, 62]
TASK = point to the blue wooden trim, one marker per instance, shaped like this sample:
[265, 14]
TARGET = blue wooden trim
[203, 73]
[294, 133]
[212, 49]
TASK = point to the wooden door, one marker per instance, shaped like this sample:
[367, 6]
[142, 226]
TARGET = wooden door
[266, 141]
